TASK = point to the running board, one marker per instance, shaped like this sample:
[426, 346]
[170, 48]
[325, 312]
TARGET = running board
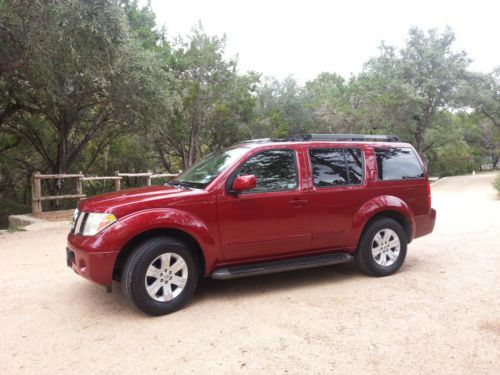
[281, 266]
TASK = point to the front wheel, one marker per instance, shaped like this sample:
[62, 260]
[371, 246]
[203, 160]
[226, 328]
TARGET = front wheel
[382, 249]
[160, 276]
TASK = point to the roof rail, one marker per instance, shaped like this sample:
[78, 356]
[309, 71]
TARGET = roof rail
[345, 137]
[257, 140]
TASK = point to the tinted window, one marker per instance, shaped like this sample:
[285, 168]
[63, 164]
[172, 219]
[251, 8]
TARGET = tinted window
[336, 166]
[275, 170]
[354, 161]
[397, 164]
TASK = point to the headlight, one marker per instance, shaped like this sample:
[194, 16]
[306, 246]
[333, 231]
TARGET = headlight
[94, 223]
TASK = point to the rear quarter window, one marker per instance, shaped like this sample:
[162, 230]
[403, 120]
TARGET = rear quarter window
[397, 163]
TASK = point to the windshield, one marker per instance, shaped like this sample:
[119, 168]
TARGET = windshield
[204, 171]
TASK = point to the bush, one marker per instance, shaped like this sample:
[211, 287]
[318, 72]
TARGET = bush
[496, 183]
[451, 159]
[9, 207]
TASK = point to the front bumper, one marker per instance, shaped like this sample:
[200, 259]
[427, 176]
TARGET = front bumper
[92, 265]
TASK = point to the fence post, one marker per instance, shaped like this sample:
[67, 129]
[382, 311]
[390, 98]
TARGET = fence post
[149, 178]
[79, 184]
[36, 193]
[117, 181]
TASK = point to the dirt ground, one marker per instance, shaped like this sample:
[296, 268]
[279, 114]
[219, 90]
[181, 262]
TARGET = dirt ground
[55, 215]
[439, 315]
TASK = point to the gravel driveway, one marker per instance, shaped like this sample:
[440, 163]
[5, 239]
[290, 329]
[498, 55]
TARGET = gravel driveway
[440, 314]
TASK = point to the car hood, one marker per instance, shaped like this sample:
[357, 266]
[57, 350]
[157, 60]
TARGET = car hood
[122, 203]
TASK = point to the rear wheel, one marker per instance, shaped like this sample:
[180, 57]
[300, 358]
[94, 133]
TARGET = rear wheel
[160, 276]
[382, 249]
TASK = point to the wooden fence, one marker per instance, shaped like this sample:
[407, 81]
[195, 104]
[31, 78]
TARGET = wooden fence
[37, 177]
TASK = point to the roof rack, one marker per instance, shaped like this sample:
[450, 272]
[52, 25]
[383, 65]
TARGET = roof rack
[345, 137]
[257, 140]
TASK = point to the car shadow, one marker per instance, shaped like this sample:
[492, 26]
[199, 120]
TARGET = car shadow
[94, 298]
[274, 283]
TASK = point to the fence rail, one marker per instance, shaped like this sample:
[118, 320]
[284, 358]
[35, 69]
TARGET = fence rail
[37, 177]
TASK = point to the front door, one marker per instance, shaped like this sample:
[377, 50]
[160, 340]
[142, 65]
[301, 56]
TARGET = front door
[273, 218]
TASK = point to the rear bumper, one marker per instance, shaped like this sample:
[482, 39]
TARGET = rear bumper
[92, 265]
[424, 224]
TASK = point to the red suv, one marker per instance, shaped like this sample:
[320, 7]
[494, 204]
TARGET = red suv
[258, 207]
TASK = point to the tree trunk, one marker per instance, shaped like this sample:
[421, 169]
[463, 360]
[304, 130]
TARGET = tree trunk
[419, 135]
[8, 112]
[62, 153]
[193, 141]
[165, 162]
[495, 159]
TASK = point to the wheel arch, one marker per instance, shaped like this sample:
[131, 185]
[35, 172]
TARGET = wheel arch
[397, 216]
[179, 234]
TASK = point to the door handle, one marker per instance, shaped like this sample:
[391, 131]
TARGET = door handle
[298, 202]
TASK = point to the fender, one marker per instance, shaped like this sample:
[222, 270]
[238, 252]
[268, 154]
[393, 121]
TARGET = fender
[126, 228]
[375, 206]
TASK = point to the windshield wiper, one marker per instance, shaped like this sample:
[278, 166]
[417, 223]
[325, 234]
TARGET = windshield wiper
[179, 183]
[185, 184]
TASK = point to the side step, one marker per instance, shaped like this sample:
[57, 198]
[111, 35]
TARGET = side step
[281, 265]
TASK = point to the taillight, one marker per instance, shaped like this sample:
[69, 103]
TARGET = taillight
[429, 199]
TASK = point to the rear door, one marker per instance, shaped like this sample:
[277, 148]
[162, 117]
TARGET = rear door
[273, 218]
[338, 191]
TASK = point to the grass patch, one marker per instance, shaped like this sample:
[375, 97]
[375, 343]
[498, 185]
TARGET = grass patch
[15, 229]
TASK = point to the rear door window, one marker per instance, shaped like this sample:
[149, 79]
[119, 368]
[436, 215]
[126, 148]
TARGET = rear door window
[397, 163]
[354, 163]
[336, 166]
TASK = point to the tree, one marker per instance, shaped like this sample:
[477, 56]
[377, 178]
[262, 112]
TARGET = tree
[483, 94]
[213, 100]
[339, 105]
[73, 74]
[418, 83]
[142, 22]
[452, 153]
[281, 109]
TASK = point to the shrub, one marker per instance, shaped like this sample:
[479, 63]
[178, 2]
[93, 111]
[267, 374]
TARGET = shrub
[496, 183]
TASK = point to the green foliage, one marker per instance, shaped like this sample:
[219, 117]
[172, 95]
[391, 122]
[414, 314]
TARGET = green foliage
[10, 207]
[496, 183]
[483, 94]
[82, 78]
[214, 102]
[451, 159]
[142, 22]
[15, 229]
[280, 109]
[419, 82]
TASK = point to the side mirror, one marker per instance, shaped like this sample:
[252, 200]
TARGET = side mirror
[242, 183]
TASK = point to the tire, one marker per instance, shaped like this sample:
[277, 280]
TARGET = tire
[377, 253]
[145, 282]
